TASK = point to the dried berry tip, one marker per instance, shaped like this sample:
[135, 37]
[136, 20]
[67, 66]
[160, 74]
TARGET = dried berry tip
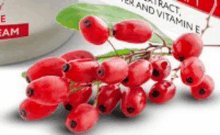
[27, 79]
[189, 80]
[68, 107]
[102, 108]
[100, 71]
[201, 91]
[155, 93]
[30, 92]
[113, 31]
[86, 23]
[73, 124]
[156, 73]
[66, 67]
[181, 58]
[22, 113]
[125, 80]
[130, 109]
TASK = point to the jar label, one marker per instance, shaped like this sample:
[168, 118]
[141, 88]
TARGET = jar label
[14, 30]
[8, 31]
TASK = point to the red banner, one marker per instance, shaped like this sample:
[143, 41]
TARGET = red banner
[8, 31]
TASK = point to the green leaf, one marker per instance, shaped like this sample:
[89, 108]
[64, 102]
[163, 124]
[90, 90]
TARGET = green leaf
[120, 52]
[70, 16]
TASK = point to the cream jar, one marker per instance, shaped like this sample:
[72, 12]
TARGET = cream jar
[28, 28]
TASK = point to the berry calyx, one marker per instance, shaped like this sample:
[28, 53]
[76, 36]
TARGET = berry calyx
[192, 71]
[162, 92]
[204, 89]
[45, 67]
[132, 30]
[49, 90]
[108, 97]
[77, 54]
[81, 71]
[133, 101]
[161, 67]
[78, 97]
[113, 70]
[94, 29]
[186, 46]
[30, 110]
[82, 119]
[139, 72]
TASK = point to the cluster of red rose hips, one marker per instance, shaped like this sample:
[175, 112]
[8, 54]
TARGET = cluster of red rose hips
[69, 79]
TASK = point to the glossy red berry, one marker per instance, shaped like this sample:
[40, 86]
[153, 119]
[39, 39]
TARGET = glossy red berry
[108, 97]
[186, 46]
[77, 54]
[113, 70]
[78, 97]
[162, 92]
[139, 72]
[48, 90]
[161, 67]
[204, 89]
[133, 101]
[133, 31]
[94, 29]
[82, 119]
[30, 110]
[45, 67]
[192, 71]
[81, 71]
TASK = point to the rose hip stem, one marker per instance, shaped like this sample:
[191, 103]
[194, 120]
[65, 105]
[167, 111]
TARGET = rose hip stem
[174, 76]
[113, 47]
[208, 18]
[96, 96]
[211, 45]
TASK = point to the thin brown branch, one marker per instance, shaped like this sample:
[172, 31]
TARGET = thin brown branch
[113, 47]
[97, 94]
[163, 41]
[211, 45]
[174, 76]
[208, 18]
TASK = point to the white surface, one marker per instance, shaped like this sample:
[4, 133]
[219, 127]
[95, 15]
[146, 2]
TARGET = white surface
[181, 116]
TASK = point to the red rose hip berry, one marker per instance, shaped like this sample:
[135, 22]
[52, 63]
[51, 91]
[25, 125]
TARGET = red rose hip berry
[161, 67]
[81, 71]
[45, 67]
[187, 45]
[204, 89]
[108, 97]
[162, 92]
[30, 110]
[94, 29]
[192, 71]
[49, 90]
[82, 119]
[78, 97]
[133, 31]
[77, 54]
[139, 72]
[113, 70]
[133, 101]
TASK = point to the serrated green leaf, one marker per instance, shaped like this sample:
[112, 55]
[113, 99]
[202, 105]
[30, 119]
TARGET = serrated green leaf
[70, 16]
